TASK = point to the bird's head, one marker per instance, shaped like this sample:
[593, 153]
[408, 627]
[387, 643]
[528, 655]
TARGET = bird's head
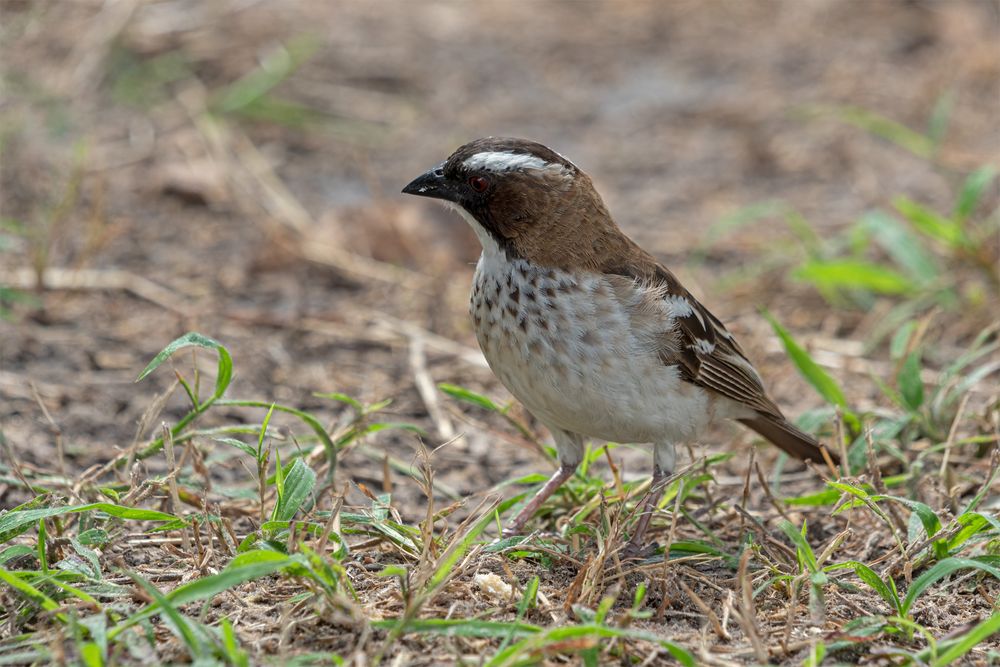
[523, 198]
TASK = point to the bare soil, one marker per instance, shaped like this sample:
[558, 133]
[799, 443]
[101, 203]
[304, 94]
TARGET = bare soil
[292, 247]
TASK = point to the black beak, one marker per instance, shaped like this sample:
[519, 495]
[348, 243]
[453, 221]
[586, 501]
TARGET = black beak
[432, 184]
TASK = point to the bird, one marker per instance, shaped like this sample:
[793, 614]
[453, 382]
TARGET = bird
[594, 336]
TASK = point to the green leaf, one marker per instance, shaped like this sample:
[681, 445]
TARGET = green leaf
[238, 444]
[911, 387]
[971, 192]
[929, 223]
[461, 627]
[853, 274]
[16, 551]
[262, 434]
[457, 549]
[805, 552]
[901, 339]
[930, 520]
[972, 524]
[884, 127]
[274, 68]
[225, 373]
[952, 651]
[820, 498]
[463, 394]
[27, 590]
[902, 245]
[178, 623]
[937, 124]
[810, 370]
[528, 600]
[243, 568]
[16, 522]
[298, 485]
[343, 398]
[562, 639]
[943, 569]
[887, 591]
[230, 644]
[308, 419]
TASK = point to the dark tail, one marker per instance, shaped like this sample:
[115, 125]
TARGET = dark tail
[789, 438]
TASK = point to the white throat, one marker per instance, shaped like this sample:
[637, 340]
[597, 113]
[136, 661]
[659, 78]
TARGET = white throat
[491, 248]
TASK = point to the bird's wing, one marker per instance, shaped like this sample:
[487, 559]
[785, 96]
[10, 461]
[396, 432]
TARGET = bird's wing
[692, 337]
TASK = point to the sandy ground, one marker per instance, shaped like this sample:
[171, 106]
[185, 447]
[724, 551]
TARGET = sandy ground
[292, 247]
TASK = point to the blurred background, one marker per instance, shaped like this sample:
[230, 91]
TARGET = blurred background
[233, 167]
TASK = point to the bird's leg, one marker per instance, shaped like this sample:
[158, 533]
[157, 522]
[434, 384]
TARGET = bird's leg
[570, 449]
[635, 547]
[558, 478]
[664, 459]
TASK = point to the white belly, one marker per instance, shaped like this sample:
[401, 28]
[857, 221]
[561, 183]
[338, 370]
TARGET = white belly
[566, 348]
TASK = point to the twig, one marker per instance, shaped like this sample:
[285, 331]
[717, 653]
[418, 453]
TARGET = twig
[175, 500]
[746, 614]
[746, 490]
[426, 389]
[713, 618]
[952, 433]
[57, 278]
[767, 492]
[56, 431]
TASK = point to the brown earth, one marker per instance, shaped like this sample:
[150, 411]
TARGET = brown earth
[290, 244]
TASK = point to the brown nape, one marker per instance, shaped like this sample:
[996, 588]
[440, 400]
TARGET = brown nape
[560, 221]
[789, 438]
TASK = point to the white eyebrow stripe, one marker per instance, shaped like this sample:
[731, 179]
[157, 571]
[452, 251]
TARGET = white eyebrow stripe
[498, 161]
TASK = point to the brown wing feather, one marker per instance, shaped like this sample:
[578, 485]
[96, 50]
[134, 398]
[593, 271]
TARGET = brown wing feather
[706, 352]
[709, 356]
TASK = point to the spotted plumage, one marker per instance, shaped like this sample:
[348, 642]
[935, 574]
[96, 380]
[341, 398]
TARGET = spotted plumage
[594, 336]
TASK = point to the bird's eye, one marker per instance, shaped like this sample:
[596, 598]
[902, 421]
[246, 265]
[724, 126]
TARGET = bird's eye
[479, 183]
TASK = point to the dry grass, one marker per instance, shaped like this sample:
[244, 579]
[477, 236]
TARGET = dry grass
[231, 169]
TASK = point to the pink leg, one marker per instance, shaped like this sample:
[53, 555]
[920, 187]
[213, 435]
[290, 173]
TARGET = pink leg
[558, 478]
[634, 547]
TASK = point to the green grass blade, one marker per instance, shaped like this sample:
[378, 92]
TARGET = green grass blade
[928, 222]
[911, 386]
[458, 549]
[904, 247]
[953, 651]
[885, 128]
[930, 520]
[180, 625]
[875, 582]
[245, 567]
[16, 522]
[462, 627]
[944, 568]
[810, 370]
[972, 192]
[225, 372]
[305, 417]
[530, 649]
[30, 592]
[298, 485]
[853, 274]
[805, 551]
[463, 394]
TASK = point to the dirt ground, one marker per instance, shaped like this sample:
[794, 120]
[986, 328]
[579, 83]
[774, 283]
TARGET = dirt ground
[288, 241]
